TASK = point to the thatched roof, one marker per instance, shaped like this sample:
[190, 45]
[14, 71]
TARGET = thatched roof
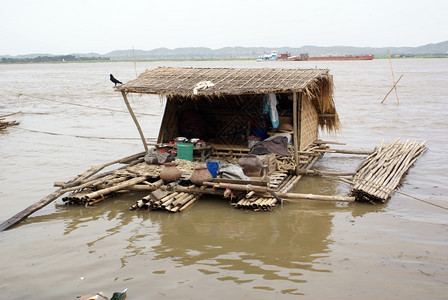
[170, 82]
[166, 81]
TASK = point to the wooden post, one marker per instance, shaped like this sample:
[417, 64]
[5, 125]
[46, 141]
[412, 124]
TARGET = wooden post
[125, 98]
[296, 107]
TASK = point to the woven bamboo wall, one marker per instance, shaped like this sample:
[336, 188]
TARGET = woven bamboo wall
[169, 127]
[309, 123]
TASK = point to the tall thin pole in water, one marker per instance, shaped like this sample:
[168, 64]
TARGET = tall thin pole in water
[393, 77]
[135, 63]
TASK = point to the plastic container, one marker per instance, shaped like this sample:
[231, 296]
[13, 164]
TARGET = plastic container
[213, 167]
[185, 151]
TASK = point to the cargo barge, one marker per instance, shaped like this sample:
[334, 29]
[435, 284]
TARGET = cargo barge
[306, 57]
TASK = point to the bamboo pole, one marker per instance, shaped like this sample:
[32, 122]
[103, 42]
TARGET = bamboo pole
[125, 98]
[188, 204]
[117, 187]
[391, 89]
[53, 196]
[30, 209]
[319, 141]
[328, 173]
[259, 189]
[286, 196]
[250, 194]
[11, 114]
[180, 198]
[185, 200]
[93, 170]
[393, 76]
[294, 122]
[345, 151]
[291, 184]
[286, 181]
[91, 183]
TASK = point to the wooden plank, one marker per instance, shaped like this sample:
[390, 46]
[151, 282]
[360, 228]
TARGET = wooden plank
[240, 181]
[30, 209]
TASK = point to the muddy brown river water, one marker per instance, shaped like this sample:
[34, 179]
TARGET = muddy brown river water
[72, 119]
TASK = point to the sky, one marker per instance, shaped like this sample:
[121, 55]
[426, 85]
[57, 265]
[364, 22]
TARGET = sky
[100, 26]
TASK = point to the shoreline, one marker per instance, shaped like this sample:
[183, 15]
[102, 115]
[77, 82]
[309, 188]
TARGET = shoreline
[187, 59]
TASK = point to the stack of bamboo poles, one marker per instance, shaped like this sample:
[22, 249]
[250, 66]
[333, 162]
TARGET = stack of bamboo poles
[256, 204]
[95, 189]
[172, 202]
[378, 176]
[92, 187]
[99, 192]
[4, 123]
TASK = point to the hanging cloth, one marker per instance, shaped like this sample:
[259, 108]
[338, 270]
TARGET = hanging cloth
[270, 106]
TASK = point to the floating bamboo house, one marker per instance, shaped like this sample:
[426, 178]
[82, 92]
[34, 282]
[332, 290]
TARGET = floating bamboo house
[272, 114]
[226, 108]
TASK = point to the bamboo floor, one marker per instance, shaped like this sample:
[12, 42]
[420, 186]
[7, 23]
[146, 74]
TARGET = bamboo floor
[257, 194]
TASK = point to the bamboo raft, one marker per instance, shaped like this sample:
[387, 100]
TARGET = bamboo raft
[374, 180]
[381, 172]
[258, 194]
[4, 124]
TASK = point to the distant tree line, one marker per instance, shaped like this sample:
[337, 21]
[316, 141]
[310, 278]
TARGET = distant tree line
[41, 59]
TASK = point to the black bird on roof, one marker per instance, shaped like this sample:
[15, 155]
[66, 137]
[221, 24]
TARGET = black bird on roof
[115, 80]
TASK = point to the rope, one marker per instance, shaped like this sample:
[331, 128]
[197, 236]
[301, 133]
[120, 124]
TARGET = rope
[74, 104]
[79, 136]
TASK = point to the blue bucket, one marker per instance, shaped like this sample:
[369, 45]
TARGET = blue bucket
[212, 167]
[185, 151]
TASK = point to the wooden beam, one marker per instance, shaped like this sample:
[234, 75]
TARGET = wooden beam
[125, 98]
[295, 129]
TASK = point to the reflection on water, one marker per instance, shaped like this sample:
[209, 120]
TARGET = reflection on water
[219, 242]
[318, 249]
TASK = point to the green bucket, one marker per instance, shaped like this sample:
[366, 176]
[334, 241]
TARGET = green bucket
[185, 151]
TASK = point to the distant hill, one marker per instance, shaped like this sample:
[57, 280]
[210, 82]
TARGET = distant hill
[254, 52]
